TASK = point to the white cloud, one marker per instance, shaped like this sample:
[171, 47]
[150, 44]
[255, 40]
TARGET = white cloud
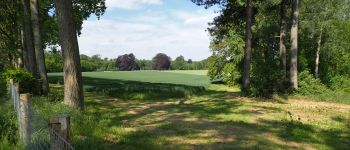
[174, 33]
[131, 4]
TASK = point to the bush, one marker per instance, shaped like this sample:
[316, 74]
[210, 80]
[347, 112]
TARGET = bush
[28, 84]
[340, 83]
[308, 85]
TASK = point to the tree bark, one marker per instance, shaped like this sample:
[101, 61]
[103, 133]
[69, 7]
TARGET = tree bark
[283, 59]
[294, 46]
[248, 48]
[24, 52]
[317, 61]
[28, 40]
[73, 85]
[39, 52]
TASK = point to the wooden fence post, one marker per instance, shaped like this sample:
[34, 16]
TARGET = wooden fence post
[25, 117]
[60, 136]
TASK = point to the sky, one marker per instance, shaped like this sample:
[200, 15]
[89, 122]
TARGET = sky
[148, 27]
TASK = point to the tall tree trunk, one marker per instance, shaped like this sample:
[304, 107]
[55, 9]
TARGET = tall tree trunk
[24, 52]
[283, 28]
[20, 58]
[317, 61]
[294, 46]
[39, 52]
[248, 48]
[73, 86]
[28, 39]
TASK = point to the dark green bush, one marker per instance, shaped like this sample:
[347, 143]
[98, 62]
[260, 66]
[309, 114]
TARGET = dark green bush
[308, 85]
[28, 84]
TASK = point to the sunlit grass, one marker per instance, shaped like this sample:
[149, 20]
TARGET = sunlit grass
[216, 119]
[181, 110]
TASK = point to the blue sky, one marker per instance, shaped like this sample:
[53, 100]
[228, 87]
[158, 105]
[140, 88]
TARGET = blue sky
[148, 27]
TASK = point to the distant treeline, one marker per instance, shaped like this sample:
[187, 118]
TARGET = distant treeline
[127, 62]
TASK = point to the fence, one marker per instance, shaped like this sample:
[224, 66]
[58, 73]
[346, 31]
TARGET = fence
[36, 132]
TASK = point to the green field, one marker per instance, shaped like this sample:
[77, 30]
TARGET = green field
[141, 85]
[182, 110]
[191, 78]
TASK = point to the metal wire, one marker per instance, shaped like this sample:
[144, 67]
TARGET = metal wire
[41, 135]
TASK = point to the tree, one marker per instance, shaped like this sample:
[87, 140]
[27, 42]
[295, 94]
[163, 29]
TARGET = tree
[179, 63]
[161, 62]
[189, 61]
[127, 62]
[248, 48]
[39, 52]
[294, 45]
[28, 47]
[73, 85]
[283, 33]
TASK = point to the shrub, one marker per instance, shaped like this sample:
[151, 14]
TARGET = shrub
[340, 83]
[28, 84]
[308, 85]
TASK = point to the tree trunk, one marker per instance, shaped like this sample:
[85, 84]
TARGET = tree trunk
[28, 39]
[248, 48]
[73, 86]
[294, 46]
[283, 59]
[24, 52]
[39, 52]
[318, 53]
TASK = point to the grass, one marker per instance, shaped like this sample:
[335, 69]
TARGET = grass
[215, 117]
[142, 85]
[218, 119]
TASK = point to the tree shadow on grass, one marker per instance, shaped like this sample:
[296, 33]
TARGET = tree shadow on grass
[135, 90]
[165, 124]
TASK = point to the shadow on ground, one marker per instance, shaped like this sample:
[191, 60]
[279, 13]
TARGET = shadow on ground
[135, 90]
[211, 120]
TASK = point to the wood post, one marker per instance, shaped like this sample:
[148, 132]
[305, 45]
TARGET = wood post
[60, 136]
[25, 117]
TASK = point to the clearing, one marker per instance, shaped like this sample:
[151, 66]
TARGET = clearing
[174, 110]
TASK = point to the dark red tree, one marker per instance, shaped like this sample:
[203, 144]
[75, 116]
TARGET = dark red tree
[161, 62]
[127, 62]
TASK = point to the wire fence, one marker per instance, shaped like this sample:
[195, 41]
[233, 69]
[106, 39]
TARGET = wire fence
[34, 130]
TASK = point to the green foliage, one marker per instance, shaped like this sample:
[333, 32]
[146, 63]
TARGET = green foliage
[8, 127]
[3, 86]
[181, 64]
[320, 20]
[225, 63]
[54, 62]
[178, 63]
[340, 83]
[27, 83]
[308, 85]
[55, 94]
